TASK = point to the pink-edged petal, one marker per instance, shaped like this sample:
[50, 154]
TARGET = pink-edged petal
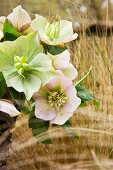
[59, 81]
[19, 18]
[61, 61]
[1, 35]
[61, 118]
[43, 111]
[2, 19]
[70, 72]
[9, 108]
[73, 100]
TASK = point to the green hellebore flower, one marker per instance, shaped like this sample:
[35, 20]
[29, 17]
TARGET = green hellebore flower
[56, 33]
[24, 65]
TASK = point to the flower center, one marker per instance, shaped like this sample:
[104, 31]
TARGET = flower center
[53, 30]
[21, 65]
[57, 99]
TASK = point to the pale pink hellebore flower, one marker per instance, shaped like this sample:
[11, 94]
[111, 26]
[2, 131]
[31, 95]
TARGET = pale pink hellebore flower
[57, 101]
[62, 62]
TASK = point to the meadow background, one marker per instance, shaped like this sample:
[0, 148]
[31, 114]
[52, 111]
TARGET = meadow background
[94, 150]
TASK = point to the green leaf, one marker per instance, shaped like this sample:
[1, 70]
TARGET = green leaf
[97, 104]
[84, 94]
[71, 132]
[16, 95]
[2, 85]
[38, 127]
[10, 33]
[84, 77]
[54, 50]
[83, 104]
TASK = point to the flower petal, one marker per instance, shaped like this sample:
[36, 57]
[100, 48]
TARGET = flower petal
[70, 72]
[61, 118]
[41, 61]
[73, 100]
[66, 34]
[30, 84]
[9, 108]
[39, 24]
[1, 34]
[59, 81]
[42, 67]
[19, 18]
[27, 46]
[62, 60]
[42, 110]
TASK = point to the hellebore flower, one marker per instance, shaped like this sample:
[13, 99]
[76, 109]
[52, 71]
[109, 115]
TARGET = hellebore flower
[24, 66]
[8, 107]
[56, 33]
[62, 62]
[20, 19]
[56, 101]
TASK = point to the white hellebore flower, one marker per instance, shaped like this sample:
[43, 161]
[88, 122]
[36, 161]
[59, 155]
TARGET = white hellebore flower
[8, 107]
[56, 33]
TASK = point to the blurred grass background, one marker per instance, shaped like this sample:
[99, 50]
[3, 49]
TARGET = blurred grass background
[94, 150]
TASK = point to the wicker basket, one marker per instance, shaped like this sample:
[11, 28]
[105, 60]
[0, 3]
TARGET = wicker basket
[6, 123]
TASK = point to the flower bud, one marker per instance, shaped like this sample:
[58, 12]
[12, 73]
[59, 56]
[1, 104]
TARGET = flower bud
[21, 71]
[23, 59]
[17, 59]
[25, 66]
[18, 65]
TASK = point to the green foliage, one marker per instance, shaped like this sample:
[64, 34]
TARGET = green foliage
[84, 77]
[16, 95]
[97, 104]
[54, 50]
[10, 33]
[2, 85]
[84, 94]
[71, 132]
[39, 127]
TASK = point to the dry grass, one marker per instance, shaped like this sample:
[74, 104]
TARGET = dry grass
[94, 150]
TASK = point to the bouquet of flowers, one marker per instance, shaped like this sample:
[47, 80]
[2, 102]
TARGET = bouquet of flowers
[36, 76]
